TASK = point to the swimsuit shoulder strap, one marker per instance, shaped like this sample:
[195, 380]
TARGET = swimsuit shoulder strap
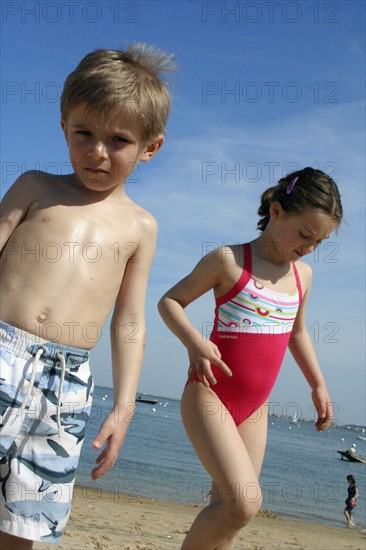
[298, 282]
[247, 259]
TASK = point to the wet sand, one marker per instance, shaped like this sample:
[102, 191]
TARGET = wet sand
[124, 522]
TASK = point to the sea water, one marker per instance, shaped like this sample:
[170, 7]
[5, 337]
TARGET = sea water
[302, 476]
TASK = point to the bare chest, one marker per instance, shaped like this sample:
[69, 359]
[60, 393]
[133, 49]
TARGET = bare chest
[73, 235]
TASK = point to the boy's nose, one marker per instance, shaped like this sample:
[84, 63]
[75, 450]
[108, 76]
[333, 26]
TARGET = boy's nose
[98, 150]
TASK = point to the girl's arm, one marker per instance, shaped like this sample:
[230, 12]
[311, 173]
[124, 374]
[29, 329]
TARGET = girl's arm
[303, 352]
[205, 276]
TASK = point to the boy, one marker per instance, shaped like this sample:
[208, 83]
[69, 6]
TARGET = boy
[72, 248]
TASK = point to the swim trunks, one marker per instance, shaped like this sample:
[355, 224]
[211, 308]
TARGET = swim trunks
[45, 400]
[252, 329]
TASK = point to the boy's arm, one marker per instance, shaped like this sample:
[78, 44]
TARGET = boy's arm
[128, 345]
[15, 205]
[303, 352]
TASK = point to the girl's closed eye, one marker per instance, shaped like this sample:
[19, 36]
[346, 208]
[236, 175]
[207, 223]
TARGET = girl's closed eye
[309, 237]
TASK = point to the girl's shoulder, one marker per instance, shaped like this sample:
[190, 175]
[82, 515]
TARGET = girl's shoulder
[230, 255]
[304, 269]
[227, 262]
[306, 274]
[226, 253]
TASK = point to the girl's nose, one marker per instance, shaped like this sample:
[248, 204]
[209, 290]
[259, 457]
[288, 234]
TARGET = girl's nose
[307, 248]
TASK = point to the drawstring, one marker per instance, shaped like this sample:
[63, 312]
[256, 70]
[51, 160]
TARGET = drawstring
[31, 384]
[59, 404]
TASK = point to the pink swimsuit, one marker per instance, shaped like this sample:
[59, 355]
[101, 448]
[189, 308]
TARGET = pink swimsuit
[252, 329]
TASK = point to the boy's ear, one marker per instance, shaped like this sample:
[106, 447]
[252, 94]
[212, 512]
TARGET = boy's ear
[64, 129]
[152, 148]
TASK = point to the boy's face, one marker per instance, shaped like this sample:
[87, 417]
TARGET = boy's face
[104, 150]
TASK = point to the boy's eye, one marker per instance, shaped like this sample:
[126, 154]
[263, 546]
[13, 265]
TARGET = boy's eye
[120, 139]
[83, 133]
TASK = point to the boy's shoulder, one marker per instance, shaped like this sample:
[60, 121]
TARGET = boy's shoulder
[38, 176]
[144, 219]
[33, 179]
[28, 187]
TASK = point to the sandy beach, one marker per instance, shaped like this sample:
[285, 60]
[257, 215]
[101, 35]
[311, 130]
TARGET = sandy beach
[123, 522]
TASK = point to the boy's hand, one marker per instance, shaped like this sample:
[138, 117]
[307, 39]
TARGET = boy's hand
[201, 356]
[324, 408]
[112, 434]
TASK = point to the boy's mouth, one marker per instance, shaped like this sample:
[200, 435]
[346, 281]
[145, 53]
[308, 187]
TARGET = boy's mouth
[95, 171]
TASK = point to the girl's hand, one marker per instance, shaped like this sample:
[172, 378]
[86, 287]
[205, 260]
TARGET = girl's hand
[201, 355]
[324, 408]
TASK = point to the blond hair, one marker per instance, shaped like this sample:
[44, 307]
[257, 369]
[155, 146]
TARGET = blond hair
[131, 79]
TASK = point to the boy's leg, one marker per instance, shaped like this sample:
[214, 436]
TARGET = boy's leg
[8, 542]
[223, 453]
[41, 443]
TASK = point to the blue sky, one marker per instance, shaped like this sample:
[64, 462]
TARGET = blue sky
[263, 88]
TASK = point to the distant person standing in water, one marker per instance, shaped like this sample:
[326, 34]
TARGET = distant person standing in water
[351, 501]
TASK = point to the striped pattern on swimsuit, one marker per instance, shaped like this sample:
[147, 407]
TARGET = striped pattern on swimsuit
[256, 306]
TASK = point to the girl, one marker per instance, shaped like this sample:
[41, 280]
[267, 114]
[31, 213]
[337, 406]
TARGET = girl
[261, 298]
[351, 500]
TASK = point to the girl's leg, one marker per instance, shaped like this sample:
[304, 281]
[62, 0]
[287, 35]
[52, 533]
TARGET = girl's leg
[223, 453]
[253, 432]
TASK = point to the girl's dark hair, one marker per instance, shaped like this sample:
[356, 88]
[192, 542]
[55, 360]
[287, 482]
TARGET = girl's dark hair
[312, 188]
[351, 478]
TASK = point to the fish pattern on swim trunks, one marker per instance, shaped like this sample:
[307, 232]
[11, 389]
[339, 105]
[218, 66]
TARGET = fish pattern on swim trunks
[37, 466]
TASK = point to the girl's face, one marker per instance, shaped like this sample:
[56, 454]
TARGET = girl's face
[296, 235]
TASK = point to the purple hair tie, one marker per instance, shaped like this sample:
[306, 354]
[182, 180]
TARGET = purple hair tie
[291, 185]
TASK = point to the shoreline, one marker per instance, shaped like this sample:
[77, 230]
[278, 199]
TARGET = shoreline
[103, 520]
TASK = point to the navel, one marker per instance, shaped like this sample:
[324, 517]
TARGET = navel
[42, 317]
